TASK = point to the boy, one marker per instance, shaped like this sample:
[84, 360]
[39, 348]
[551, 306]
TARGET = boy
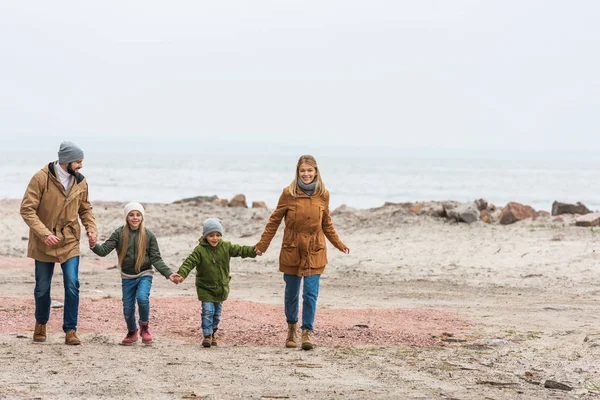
[211, 260]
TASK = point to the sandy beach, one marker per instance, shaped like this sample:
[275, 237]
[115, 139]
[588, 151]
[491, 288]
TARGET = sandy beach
[422, 308]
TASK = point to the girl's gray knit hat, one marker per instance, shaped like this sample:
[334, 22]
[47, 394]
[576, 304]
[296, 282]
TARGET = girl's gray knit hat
[211, 225]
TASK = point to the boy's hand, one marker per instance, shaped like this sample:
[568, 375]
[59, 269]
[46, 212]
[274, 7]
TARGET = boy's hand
[176, 278]
[258, 252]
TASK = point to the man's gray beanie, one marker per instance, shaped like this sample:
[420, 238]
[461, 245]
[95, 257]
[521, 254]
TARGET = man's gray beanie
[69, 152]
[211, 225]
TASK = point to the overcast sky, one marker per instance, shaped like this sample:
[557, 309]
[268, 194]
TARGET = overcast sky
[408, 74]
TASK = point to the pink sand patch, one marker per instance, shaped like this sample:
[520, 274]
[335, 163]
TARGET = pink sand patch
[249, 323]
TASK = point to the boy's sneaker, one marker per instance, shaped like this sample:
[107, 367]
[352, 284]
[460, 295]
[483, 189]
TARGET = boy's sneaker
[207, 342]
[146, 336]
[131, 338]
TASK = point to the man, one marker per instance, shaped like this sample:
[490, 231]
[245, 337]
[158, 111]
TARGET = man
[55, 197]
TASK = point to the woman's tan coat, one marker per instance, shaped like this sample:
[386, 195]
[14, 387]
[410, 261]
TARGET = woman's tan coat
[307, 222]
[49, 210]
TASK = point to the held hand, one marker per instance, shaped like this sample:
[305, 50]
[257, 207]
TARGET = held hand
[93, 238]
[346, 250]
[175, 278]
[51, 240]
[258, 252]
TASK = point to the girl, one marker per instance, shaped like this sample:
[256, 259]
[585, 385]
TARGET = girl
[211, 261]
[305, 206]
[137, 252]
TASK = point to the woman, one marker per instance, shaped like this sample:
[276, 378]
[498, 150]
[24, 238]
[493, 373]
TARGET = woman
[305, 206]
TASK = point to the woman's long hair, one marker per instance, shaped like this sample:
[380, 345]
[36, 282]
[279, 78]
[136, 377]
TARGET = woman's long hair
[141, 245]
[310, 160]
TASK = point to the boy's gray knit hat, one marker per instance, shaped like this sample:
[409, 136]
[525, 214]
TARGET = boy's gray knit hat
[69, 152]
[211, 225]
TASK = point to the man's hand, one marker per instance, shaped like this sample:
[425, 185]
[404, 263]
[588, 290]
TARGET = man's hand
[92, 238]
[51, 240]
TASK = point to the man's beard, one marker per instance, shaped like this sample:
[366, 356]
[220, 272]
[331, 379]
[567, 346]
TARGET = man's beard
[70, 170]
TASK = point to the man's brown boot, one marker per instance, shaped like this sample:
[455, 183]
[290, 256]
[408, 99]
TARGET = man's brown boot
[290, 341]
[307, 343]
[71, 338]
[39, 333]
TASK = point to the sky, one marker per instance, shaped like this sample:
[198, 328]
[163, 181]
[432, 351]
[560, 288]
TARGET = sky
[455, 75]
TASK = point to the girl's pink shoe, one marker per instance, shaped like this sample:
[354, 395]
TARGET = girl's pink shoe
[146, 336]
[131, 338]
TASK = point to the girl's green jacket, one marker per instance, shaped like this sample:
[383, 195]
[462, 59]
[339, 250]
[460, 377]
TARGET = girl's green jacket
[151, 258]
[212, 268]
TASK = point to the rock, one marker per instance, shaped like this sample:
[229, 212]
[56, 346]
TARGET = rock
[592, 219]
[343, 209]
[550, 384]
[239, 200]
[56, 304]
[558, 219]
[494, 342]
[197, 200]
[259, 204]
[220, 202]
[514, 212]
[406, 205]
[565, 208]
[542, 213]
[481, 204]
[416, 208]
[465, 212]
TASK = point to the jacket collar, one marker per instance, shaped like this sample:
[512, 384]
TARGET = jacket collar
[78, 176]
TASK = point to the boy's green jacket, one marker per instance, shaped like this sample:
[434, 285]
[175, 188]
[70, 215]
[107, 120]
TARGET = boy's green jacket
[212, 268]
[128, 266]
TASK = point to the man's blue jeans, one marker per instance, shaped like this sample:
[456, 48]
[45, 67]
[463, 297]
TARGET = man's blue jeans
[136, 289]
[43, 283]
[211, 316]
[309, 299]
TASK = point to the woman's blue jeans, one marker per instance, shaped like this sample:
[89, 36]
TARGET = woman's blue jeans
[211, 316]
[43, 283]
[310, 293]
[136, 289]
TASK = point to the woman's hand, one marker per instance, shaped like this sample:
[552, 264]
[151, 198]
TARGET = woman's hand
[51, 240]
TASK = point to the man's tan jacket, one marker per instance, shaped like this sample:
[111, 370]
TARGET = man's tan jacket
[49, 209]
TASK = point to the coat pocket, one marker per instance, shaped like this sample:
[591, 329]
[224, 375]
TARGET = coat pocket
[318, 243]
[289, 255]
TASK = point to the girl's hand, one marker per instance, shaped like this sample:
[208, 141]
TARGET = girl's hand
[176, 278]
[346, 250]
[258, 252]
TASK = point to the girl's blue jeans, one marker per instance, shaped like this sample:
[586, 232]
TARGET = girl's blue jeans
[41, 292]
[211, 316]
[137, 289]
[310, 293]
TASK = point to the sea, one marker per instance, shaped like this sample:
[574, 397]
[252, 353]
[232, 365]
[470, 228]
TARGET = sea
[358, 177]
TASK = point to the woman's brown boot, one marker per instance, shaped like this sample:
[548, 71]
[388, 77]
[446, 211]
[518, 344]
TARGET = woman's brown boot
[307, 343]
[290, 342]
